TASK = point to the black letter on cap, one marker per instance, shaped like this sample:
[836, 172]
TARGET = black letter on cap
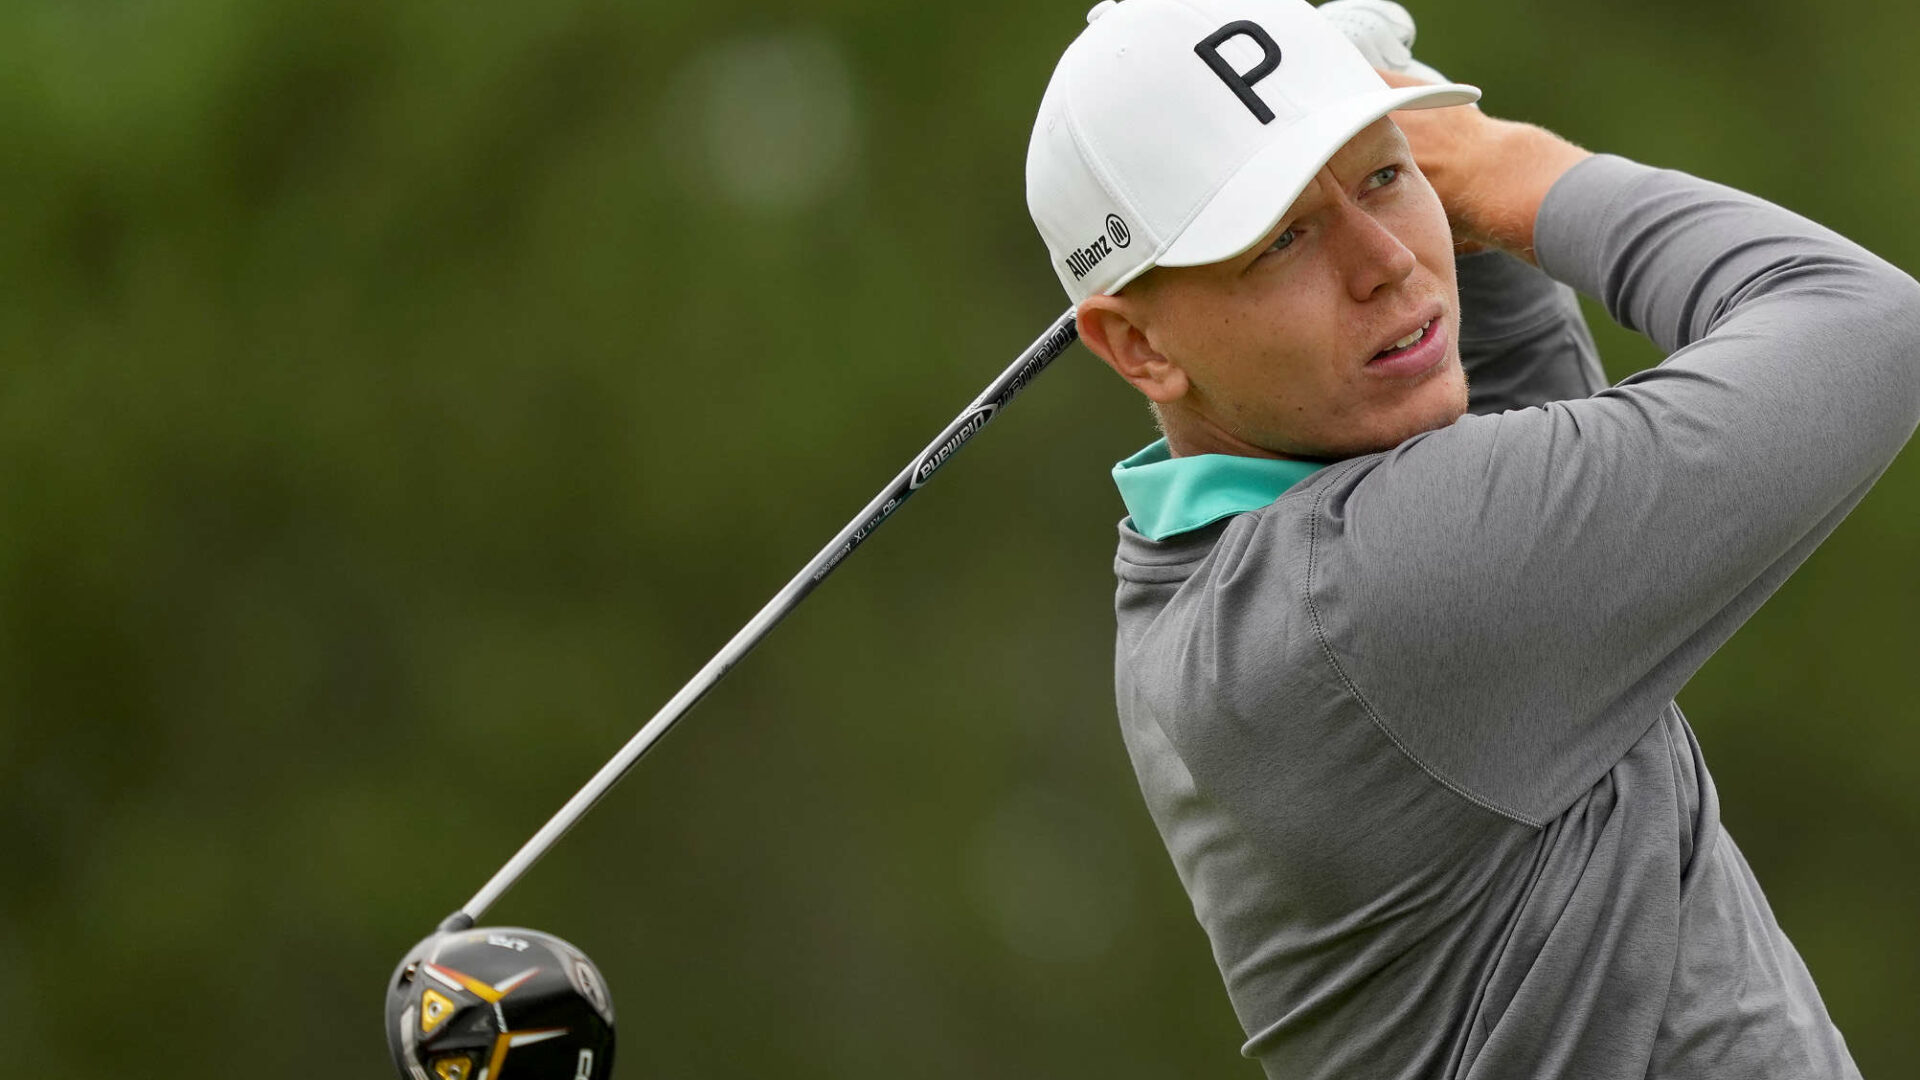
[1242, 83]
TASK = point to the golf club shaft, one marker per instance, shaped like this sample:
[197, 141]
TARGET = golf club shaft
[964, 427]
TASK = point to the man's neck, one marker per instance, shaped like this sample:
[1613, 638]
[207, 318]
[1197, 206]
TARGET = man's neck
[1189, 435]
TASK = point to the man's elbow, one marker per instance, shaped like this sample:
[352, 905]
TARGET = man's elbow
[1896, 315]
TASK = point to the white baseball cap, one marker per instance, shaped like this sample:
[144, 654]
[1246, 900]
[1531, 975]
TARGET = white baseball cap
[1176, 132]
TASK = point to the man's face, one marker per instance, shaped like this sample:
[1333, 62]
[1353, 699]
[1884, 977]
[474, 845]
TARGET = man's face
[1279, 346]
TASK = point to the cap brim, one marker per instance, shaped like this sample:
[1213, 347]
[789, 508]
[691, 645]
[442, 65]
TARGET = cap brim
[1252, 201]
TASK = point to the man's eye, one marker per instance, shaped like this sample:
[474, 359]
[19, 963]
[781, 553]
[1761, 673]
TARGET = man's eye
[1384, 176]
[1282, 241]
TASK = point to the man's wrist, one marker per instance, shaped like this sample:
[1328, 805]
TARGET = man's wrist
[1519, 163]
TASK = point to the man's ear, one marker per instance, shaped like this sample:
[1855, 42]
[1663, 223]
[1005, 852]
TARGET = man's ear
[1111, 327]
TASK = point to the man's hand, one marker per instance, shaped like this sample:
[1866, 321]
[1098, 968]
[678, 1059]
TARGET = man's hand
[1383, 31]
[1490, 174]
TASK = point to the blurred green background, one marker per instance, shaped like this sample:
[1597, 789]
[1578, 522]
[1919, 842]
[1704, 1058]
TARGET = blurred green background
[400, 401]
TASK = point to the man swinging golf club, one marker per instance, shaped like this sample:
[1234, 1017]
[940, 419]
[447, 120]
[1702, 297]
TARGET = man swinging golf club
[1396, 660]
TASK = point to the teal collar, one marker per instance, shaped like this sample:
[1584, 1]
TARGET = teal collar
[1166, 495]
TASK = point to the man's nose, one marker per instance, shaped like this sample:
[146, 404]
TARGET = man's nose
[1375, 258]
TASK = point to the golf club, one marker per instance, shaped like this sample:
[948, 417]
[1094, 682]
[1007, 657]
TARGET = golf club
[447, 1016]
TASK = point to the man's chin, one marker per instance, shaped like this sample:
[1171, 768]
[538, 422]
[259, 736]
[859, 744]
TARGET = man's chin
[1446, 403]
[1377, 443]
[1439, 411]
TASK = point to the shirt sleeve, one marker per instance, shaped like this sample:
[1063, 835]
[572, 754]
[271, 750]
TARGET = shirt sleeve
[1523, 338]
[1516, 597]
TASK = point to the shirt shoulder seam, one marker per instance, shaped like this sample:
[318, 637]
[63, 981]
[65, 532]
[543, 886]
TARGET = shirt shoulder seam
[1366, 706]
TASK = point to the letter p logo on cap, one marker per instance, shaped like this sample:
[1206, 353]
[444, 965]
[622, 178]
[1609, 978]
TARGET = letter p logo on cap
[1241, 82]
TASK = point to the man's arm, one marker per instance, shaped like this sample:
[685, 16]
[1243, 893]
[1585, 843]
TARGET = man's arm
[1518, 596]
[1523, 339]
[1491, 175]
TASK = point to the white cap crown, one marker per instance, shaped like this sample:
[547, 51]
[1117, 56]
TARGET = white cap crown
[1176, 132]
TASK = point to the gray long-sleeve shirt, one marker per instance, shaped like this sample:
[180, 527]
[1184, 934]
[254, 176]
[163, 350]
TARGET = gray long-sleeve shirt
[1408, 731]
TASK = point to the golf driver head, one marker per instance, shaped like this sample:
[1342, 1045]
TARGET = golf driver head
[478, 1003]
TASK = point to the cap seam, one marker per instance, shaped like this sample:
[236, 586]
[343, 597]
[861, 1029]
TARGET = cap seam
[1097, 165]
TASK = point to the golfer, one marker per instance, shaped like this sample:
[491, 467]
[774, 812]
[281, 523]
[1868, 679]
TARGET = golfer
[1406, 591]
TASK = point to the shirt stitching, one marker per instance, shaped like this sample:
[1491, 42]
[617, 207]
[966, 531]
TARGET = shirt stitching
[1326, 649]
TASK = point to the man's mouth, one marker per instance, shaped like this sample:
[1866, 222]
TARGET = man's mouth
[1405, 343]
[1413, 355]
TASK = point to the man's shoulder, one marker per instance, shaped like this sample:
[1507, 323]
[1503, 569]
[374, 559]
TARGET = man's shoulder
[1218, 601]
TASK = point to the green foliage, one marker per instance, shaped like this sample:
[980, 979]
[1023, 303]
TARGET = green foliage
[401, 400]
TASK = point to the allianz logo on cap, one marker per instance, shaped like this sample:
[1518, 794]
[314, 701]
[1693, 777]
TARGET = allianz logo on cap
[1082, 260]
